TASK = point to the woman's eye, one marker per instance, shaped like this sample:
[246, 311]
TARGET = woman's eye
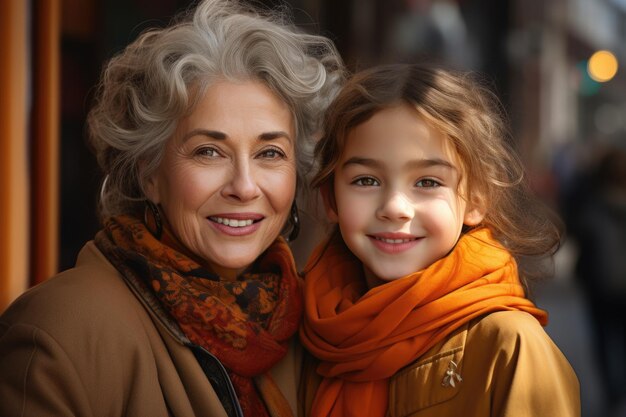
[366, 182]
[428, 183]
[207, 152]
[272, 153]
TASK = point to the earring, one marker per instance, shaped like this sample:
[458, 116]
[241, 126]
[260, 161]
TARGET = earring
[151, 210]
[103, 188]
[295, 223]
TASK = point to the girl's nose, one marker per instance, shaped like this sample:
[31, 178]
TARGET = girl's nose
[241, 184]
[395, 207]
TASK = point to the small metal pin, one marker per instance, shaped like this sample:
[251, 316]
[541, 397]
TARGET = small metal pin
[451, 378]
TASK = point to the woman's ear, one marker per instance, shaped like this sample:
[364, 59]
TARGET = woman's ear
[150, 184]
[328, 197]
[475, 210]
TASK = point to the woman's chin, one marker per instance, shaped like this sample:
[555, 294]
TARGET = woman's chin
[228, 271]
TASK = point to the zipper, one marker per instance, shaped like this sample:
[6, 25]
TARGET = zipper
[220, 381]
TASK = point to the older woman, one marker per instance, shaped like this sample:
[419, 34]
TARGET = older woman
[186, 301]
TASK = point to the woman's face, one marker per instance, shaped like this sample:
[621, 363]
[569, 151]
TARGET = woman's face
[228, 176]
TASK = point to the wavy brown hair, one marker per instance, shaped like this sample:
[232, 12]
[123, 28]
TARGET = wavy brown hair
[458, 105]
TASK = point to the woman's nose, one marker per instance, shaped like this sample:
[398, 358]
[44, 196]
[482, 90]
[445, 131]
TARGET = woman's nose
[241, 184]
[395, 207]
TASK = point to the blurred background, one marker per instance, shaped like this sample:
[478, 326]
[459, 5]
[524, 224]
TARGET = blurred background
[554, 64]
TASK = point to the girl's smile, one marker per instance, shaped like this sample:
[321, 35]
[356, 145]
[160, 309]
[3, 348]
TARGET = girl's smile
[394, 242]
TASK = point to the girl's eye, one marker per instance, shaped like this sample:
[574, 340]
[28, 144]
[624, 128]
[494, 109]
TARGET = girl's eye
[272, 153]
[428, 183]
[366, 182]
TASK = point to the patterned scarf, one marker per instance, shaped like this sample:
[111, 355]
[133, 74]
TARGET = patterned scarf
[363, 340]
[245, 323]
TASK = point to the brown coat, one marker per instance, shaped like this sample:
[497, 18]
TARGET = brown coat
[83, 344]
[508, 365]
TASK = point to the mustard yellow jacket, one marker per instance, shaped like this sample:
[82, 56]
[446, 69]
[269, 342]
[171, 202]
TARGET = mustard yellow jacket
[84, 344]
[506, 366]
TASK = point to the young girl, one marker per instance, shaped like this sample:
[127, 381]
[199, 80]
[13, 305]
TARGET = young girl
[415, 306]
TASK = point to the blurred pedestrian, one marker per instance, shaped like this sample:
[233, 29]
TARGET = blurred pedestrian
[596, 216]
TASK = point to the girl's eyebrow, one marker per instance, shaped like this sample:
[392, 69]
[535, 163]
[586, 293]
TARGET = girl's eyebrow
[355, 160]
[419, 163]
[432, 162]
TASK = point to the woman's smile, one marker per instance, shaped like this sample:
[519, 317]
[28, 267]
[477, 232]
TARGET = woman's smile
[236, 224]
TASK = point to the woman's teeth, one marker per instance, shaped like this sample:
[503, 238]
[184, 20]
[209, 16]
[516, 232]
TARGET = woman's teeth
[232, 222]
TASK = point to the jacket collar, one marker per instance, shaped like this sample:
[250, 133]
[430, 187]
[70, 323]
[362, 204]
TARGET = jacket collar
[439, 371]
[142, 293]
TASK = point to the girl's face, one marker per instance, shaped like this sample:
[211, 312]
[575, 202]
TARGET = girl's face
[397, 198]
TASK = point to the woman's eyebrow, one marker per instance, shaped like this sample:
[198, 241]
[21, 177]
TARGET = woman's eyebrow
[214, 134]
[274, 135]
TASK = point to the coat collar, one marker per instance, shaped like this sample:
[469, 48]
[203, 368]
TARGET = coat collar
[142, 293]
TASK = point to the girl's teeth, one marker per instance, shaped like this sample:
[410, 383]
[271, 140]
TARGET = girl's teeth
[393, 240]
[232, 222]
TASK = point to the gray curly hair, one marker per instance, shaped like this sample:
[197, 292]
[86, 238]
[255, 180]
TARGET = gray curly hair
[146, 89]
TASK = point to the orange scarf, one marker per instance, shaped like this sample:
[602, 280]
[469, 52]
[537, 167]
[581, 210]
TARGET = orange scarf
[363, 340]
[245, 323]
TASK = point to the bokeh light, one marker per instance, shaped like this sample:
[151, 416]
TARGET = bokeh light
[602, 66]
